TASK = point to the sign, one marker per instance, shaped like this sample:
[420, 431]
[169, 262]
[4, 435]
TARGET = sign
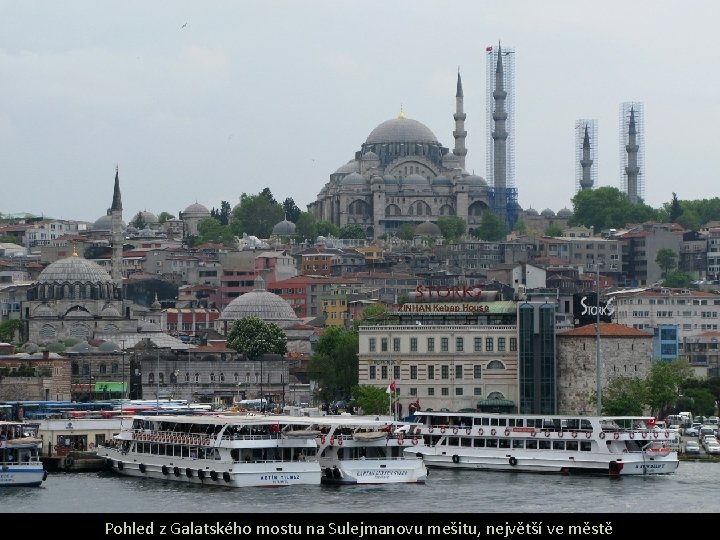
[444, 308]
[585, 309]
[450, 292]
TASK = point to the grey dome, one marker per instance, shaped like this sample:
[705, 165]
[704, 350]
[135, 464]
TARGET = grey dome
[260, 303]
[441, 181]
[370, 156]
[547, 213]
[196, 209]
[110, 311]
[531, 211]
[390, 179]
[350, 166]
[401, 130]
[149, 217]
[564, 213]
[80, 347]
[284, 228]
[354, 179]
[104, 223]
[74, 269]
[428, 228]
[109, 346]
[475, 181]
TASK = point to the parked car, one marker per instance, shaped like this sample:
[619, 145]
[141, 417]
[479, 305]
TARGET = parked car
[692, 447]
[713, 448]
[692, 431]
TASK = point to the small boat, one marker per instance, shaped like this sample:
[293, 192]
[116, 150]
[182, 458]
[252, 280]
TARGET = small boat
[20, 463]
[607, 445]
[215, 450]
[365, 450]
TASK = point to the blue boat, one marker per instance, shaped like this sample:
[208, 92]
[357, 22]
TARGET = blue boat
[20, 448]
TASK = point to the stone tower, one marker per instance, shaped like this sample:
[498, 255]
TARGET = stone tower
[459, 132]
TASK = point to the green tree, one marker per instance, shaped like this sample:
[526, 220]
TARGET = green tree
[164, 216]
[305, 227]
[624, 396]
[666, 260]
[334, 364]
[325, 228]
[491, 228]
[138, 221]
[607, 207]
[677, 279]
[253, 337]
[675, 210]
[7, 239]
[553, 230]
[372, 315]
[292, 212]
[371, 399]
[352, 230]
[520, 227]
[256, 215]
[664, 382]
[406, 231]
[222, 215]
[452, 227]
[9, 329]
[703, 401]
[210, 230]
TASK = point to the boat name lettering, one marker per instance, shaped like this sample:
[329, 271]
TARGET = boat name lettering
[361, 530]
[229, 528]
[650, 466]
[279, 478]
[126, 528]
[382, 474]
[444, 308]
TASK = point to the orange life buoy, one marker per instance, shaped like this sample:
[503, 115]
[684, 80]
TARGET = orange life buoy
[644, 435]
[492, 431]
[547, 433]
[480, 431]
[561, 434]
[507, 432]
[332, 440]
[322, 439]
[602, 434]
[574, 434]
[455, 429]
[400, 439]
[340, 439]
[655, 434]
[632, 434]
[468, 430]
[442, 429]
[588, 434]
[616, 435]
[415, 439]
[533, 433]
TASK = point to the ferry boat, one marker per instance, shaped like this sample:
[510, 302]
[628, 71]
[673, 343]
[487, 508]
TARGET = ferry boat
[608, 445]
[363, 450]
[215, 450]
[20, 463]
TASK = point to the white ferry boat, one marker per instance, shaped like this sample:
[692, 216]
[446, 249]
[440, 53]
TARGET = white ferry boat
[231, 450]
[20, 463]
[363, 450]
[610, 445]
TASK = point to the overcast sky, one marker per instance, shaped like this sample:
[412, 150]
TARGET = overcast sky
[201, 101]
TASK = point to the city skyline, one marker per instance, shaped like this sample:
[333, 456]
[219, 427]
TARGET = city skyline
[198, 104]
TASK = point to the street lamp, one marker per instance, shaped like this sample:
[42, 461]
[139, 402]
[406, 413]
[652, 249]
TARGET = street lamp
[597, 339]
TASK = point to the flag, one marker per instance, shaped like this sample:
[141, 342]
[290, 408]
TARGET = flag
[390, 388]
[488, 49]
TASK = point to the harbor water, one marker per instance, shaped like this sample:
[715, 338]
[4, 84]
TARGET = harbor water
[695, 487]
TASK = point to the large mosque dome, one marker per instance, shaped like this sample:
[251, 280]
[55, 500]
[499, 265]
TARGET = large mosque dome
[262, 304]
[104, 223]
[401, 130]
[196, 209]
[73, 270]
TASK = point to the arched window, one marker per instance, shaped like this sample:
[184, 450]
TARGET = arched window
[495, 395]
[495, 364]
[187, 377]
[212, 377]
[151, 378]
[236, 378]
[222, 377]
[197, 377]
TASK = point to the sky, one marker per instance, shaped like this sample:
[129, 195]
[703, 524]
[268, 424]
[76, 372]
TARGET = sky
[202, 101]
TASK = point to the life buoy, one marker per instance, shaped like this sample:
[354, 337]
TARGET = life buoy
[214, 475]
[165, 470]
[574, 434]
[468, 431]
[547, 433]
[492, 431]
[431, 429]
[667, 434]
[632, 434]
[188, 472]
[442, 429]
[340, 441]
[644, 435]
[561, 434]
[400, 440]
[480, 431]
[655, 434]
[513, 461]
[456, 458]
[455, 429]
[415, 440]
[507, 432]
[226, 476]
[142, 467]
[616, 435]
[588, 434]
[68, 462]
[533, 433]
[176, 471]
[332, 440]
[322, 439]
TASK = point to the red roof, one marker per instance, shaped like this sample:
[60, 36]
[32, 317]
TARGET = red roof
[606, 330]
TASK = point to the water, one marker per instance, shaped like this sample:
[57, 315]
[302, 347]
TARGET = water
[693, 488]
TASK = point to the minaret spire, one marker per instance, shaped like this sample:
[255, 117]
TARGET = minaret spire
[116, 232]
[460, 151]
[586, 162]
[499, 136]
[632, 168]
[117, 200]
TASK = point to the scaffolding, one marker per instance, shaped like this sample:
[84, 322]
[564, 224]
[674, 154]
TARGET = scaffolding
[503, 202]
[592, 129]
[508, 60]
[636, 192]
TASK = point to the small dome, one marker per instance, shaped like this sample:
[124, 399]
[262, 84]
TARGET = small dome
[428, 228]
[354, 179]
[564, 213]
[74, 269]
[43, 310]
[149, 217]
[475, 181]
[80, 347]
[284, 228]
[109, 346]
[260, 303]
[196, 209]
[531, 211]
[401, 130]
[110, 311]
[370, 156]
[449, 160]
[441, 180]
[350, 166]
[104, 223]
[390, 179]
[547, 213]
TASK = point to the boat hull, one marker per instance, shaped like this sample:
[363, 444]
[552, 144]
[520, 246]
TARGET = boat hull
[22, 476]
[389, 471]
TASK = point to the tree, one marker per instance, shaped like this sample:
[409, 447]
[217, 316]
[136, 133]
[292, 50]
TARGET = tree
[325, 228]
[371, 399]
[164, 216]
[623, 396]
[675, 209]
[520, 227]
[334, 364]
[305, 227]
[222, 215]
[607, 207]
[292, 212]
[664, 382]
[553, 230]
[138, 221]
[667, 260]
[406, 231]
[210, 230]
[373, 315]
[256, 215]
[677, 279]
[7, 239]
[10, 329]
[352, 230]
[491, 228]
[268, 195]
[452, 227]
[703, 401]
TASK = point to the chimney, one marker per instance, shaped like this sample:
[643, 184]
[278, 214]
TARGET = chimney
[46, 354]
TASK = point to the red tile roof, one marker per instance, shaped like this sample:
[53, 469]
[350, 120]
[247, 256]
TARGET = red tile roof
[606, 330]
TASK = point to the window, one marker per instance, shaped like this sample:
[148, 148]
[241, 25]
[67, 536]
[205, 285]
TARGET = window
[431, 344]
[477, 371]
[477, 391]
[513, 344]
[396, 372]
[413, 391]
[413, 372]
[373, 372]
[384, 344]
[458, 371]
[373, 344]
[444, 372]
[431, 372]
[495, 364]
[459, 344]
[396, 344]
[431, 391]
[489, 344]
[501, 344]
[478, 344]
[383, 372]
[444, 344]
[413, 344]
[444, 392]
[459, 391]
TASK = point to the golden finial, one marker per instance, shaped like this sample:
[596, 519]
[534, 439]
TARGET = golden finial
[402, 113]
[74, 253]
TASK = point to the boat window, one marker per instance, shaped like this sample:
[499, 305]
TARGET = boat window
[544, 445]
[155, 449]
[504, 443]
[495, 422]
[491, 443]
[479, 443]
[573, 423]
[585, 424]
[558, 445]
[453, 441]
[531, 444]
[532, 422]
[518, 443]
[585, 446]
[571, 445]
[485, 421]
[466, 441]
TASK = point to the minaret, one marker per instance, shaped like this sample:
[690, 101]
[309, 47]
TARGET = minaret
[117, 232]
[459, 117]
[499, 136]
[632, 169]
[586, 163]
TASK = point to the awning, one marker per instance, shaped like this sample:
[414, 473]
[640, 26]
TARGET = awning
[504, 403]
[109, 386]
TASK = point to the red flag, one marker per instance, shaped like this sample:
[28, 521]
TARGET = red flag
[390, 388]
[488, 49]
